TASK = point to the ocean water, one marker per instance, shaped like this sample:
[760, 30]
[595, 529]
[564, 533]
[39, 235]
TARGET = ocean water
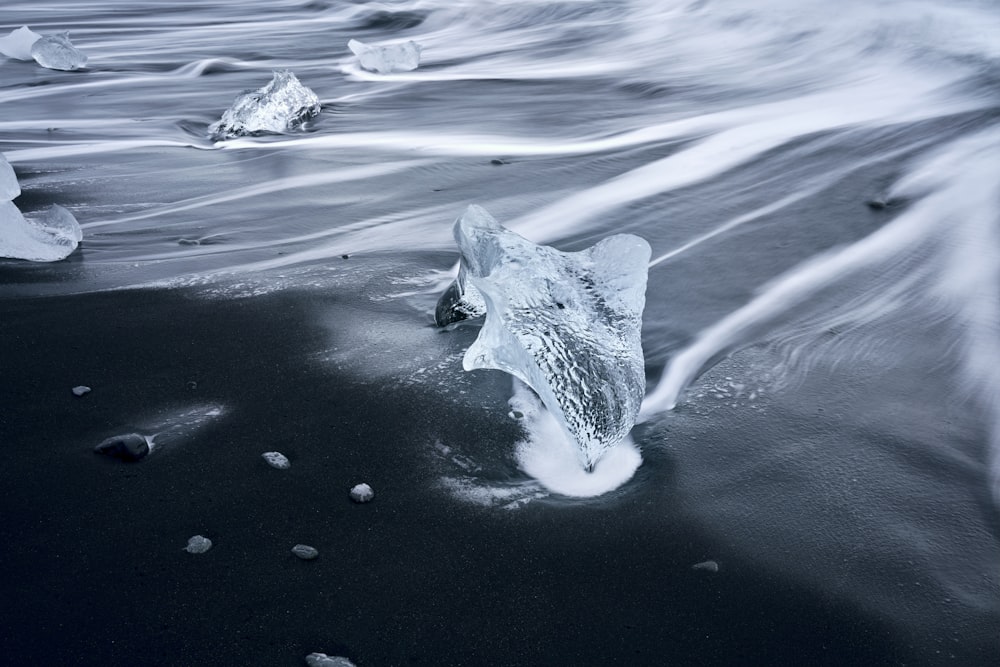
[819, 182]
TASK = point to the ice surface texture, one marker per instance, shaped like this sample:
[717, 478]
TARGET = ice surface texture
[47, 236]
[389, 58]
[57, 52]
[279, 106]
[18, 43]
[567, 324]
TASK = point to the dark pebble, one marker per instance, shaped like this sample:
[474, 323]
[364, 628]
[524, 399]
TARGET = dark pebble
[128, 447]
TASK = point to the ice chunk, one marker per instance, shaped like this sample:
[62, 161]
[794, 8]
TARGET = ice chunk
[81, 390]
[388, 58]
[566, 324]
[324, 660]
[9, 187]
[47, 237]
[127, 447]
[18, 43]
[279, 106]
[706, 566]
[198, 544]
[57, 52]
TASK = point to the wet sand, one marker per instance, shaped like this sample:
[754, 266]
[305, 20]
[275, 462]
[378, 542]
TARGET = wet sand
[94, 571]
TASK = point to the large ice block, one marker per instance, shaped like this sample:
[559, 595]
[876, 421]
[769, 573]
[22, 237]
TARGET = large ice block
[567, 324]
[57, 52]
[9, 187]
[279, 106]
[388, 58]
[18, 43]
[48, 236]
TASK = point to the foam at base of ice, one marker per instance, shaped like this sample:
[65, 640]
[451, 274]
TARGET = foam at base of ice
[47, 236]
[550, 457]
[403, 57]
[18, 43]
[281, 105]
[57, 52]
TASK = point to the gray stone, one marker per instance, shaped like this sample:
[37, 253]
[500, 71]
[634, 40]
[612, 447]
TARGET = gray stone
[277, 460]
[324, 660]
[362, 493]
[198, 544]
[305, 552]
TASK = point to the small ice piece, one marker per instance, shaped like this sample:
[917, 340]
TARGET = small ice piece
[277, 460]
[9, 187]
[57, 52]
[305, 552]
[362, 493]
[324, 660]
[129, 447]
[706, 566]
[198, 544]
[45, 237]
[18, 43]
[567, 324]
[403, 57]
[81, 390]
[281, 105]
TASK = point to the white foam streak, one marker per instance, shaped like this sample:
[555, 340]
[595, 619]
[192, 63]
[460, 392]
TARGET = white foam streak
[270, 187]
[50, 152]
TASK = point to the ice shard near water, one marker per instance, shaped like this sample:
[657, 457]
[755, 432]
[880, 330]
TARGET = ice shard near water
[9, 187]
[57, 52]
[47, 236]
[18, 43]
[279, 106]
[567, 324]
[387, 58]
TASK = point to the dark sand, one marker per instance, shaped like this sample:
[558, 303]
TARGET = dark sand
[93, 566]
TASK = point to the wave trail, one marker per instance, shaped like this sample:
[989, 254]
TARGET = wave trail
[961, 177]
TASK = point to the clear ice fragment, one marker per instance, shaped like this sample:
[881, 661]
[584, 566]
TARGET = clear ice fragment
[9, 187]
[281, 105]
[387, 58]
[362, 493]
[567, 324]
[18, 43]
[277, 460]
[57, 52]
[48, 236]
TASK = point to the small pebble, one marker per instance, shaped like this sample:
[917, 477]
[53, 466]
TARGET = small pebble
[497, 162]
[362, 493]
[706, 566]
[305, 552]
[128, 447]
[198, 544]
[345, 256]
[277, 460]
[81, 390]
[324, 660]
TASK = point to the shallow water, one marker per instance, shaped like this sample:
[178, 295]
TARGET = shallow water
[830, 365]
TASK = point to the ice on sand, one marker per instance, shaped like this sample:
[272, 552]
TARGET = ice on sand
[57, 52]
[18, 43]
[388, 58]
[281, 105]
[277, 460]
[9, 187]
[48, 236]
[567, 324]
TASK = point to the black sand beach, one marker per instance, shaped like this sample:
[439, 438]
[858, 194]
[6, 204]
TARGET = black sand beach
[94, 570]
